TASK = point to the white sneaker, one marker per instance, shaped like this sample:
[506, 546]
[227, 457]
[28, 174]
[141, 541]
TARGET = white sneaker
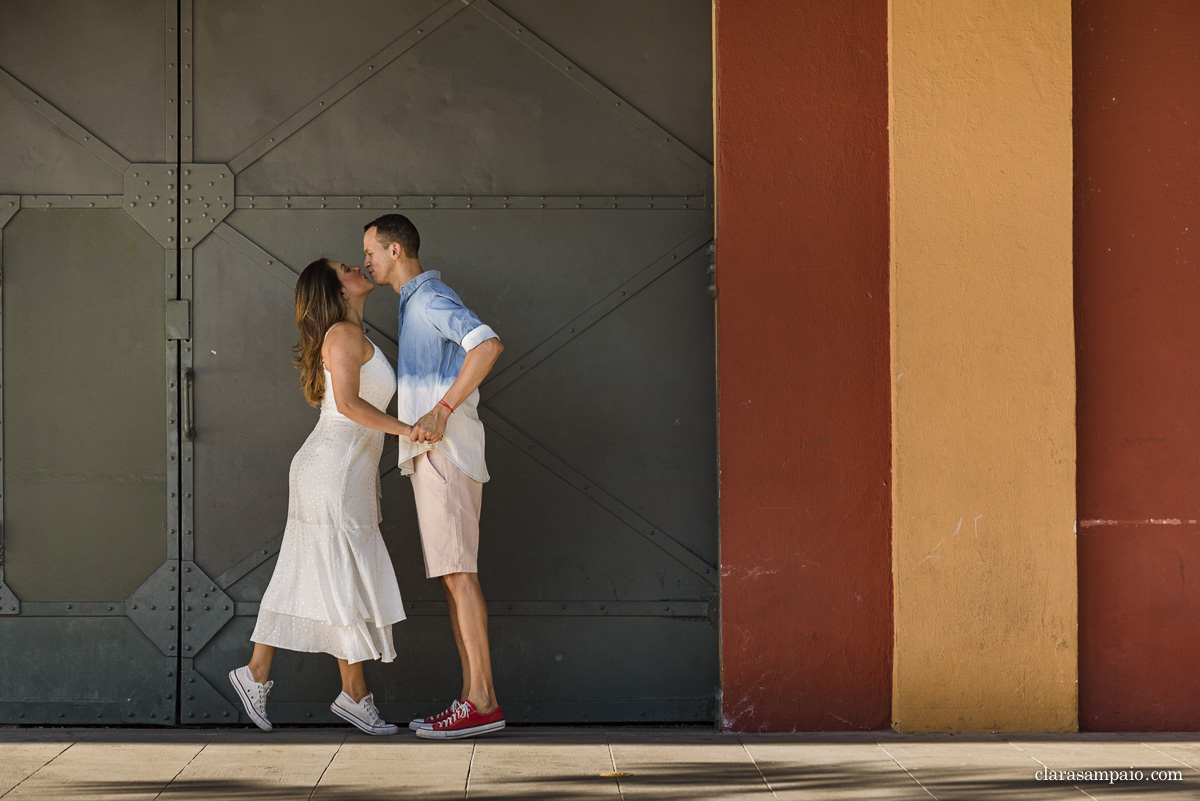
[427, 723]
[364, 715]
[253, 695]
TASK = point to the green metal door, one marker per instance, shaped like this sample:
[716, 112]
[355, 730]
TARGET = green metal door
[166, 185]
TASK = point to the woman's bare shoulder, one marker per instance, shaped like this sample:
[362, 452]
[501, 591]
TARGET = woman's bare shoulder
[344, 331]
[346, 336]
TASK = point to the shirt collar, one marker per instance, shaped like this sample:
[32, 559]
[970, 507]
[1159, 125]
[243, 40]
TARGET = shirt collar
[414, 284]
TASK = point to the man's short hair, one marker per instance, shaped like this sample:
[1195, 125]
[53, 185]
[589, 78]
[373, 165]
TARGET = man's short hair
[396, 228]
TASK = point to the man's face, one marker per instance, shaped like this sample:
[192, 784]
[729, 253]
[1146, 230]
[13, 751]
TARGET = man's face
[378, 260]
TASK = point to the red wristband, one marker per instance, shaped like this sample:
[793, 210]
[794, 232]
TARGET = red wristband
[448, 406]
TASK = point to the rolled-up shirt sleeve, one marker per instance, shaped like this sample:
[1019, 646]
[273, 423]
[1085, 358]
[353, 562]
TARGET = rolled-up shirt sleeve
[478, 335]
[456, 322]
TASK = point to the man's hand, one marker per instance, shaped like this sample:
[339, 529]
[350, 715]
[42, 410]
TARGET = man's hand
[430, 427]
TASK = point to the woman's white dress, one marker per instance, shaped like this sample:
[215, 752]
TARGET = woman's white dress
[334, 589]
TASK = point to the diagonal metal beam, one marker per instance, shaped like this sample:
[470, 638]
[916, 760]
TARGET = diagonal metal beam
[365, 71]
[597, 312]
[655, 132]
[64, 123]
[9, 206]
[655, 535]
[243, 568]
[278, 268]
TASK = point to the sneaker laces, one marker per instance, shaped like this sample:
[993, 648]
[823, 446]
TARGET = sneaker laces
[464, 709]
[448, 712]
[368, 706]
[264, 690]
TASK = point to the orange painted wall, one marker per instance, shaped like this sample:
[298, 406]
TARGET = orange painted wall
[983, 366]
[804, 397]
[1137, 292]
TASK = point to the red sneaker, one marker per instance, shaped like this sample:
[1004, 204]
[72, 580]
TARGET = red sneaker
[425, 723]
[466, 721]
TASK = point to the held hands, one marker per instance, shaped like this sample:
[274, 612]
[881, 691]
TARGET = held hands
[431, 426]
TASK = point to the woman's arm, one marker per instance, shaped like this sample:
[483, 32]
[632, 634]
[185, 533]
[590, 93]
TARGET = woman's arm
[344, 354]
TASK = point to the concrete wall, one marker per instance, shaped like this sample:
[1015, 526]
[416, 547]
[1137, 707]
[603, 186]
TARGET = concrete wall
[802, 277]
[1137, 257]
[983, 366]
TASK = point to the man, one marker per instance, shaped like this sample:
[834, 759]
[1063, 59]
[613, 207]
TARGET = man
[445, 352]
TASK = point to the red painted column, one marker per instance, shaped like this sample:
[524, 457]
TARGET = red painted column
[1137, 298]
[804, 397]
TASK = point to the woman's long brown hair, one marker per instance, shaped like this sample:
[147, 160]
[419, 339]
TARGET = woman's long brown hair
[318, 307]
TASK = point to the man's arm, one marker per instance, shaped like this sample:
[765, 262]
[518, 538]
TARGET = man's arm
[476, 366]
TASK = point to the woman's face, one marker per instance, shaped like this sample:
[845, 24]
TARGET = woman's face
[354, 283]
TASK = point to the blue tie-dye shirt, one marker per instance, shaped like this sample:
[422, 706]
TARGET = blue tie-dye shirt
[436, 331]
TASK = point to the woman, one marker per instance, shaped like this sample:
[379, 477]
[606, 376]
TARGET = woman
[333, 590]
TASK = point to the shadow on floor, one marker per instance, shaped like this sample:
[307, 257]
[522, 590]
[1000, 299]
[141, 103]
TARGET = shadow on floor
[678, 780]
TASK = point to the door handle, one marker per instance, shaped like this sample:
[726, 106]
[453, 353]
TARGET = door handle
[189, 383]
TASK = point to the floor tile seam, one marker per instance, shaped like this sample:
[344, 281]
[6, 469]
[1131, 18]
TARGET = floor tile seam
[754, 762]
[918, 782]
[1170, 756]
[326, 769]
[613, 758]
[39, 769]
[181, 770]
[470, 764]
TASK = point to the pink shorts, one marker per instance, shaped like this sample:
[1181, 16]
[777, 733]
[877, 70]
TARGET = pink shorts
[448, 506]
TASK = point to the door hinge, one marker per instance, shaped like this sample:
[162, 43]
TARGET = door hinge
[179, 319]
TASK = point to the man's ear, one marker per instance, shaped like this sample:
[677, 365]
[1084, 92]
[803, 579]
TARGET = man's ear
[396, 250]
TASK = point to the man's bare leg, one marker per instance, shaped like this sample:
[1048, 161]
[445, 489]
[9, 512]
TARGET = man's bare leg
[472, 627]
[458, 641]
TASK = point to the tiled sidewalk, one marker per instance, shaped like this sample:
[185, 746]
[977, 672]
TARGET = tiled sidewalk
[541, 764]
